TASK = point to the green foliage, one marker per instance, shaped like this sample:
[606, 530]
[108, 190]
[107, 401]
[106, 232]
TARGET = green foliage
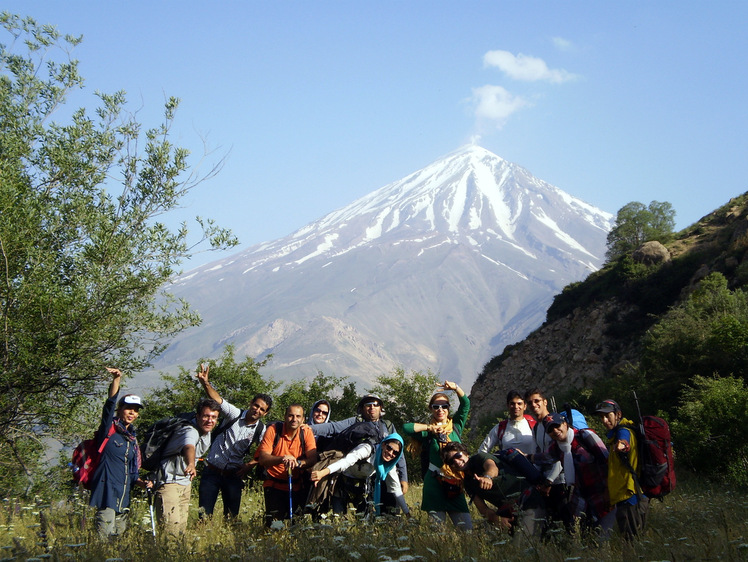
[237, 382]
[710, 429]
[406, 395]
[342, 402]
[64, 530]
[706, 334]
[636, 224]
[83, 256]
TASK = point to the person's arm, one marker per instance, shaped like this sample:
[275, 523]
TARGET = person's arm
[490, 441]
[330, 429]
[116, 379]
[202, 376]
[395, 487]
[188, 452]
[623, 440]
[358, 453]
[310, 457]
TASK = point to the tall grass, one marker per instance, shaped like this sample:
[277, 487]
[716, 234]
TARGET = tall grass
[699, 521]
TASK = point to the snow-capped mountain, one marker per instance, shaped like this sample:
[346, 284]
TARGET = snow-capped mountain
[439, 271]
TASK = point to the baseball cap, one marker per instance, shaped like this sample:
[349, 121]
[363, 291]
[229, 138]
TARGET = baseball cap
[131, 400]
[607, 407]
[552, 420]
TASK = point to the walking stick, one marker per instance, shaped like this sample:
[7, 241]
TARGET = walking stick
[290, 494]
[149, 492]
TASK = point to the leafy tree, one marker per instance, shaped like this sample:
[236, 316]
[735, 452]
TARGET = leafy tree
[709, 431]
[405, 395]
[83, 254]
[706, 334]
[320, 387]
[237, 382]
[636, 224]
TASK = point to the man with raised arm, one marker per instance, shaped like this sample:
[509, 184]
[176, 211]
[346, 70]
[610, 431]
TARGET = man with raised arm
[225, 465]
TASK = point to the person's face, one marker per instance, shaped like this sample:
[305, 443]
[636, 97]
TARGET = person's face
[371, 411]
[319, 414]
[390, 450]
[558, 432]
[440, 410]
[517, 408]
[128, 413]
[538, 406]
[206, 420]
[609, 420]
[458, 461]
[257, 409]
[294, 418]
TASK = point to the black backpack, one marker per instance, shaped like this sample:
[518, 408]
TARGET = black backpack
[155, 439]
[356, 434]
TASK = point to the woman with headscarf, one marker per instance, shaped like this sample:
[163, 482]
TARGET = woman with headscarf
[377, 462]
[442, 486]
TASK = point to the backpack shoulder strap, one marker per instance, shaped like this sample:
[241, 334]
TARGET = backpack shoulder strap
[501, 430]
[258, 433]
[108, 435]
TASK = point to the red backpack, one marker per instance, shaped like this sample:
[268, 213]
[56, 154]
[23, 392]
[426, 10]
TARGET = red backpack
[86, 458]
[655, 457]
[655, 447]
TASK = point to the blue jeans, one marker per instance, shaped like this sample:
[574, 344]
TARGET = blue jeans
[229, 485]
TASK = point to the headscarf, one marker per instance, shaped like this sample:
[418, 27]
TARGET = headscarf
[310, 420]
[382, 468]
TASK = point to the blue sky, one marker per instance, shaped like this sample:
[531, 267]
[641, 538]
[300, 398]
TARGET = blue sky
[319, 103]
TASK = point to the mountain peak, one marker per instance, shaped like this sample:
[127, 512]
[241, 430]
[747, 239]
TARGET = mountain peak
[439, 270]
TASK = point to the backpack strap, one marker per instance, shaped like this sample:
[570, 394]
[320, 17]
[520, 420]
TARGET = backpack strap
[278, 432]
[625, 458]
[104, 441]
[501, 431]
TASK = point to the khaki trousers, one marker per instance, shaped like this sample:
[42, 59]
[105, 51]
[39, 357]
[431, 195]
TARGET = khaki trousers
[172, 503]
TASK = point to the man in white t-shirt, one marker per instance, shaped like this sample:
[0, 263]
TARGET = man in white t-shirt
[514, 432]
[174, 477]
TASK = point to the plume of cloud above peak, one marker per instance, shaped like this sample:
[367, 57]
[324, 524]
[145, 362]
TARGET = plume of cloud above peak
[495, 104]
[525, 68]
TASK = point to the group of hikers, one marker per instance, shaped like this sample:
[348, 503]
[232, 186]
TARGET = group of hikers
[531, 470]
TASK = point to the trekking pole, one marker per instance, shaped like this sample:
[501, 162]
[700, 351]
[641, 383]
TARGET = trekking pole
[638, 410]
[149, 493]
[290, 494]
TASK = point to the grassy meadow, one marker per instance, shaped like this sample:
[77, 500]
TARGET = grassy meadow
[699, 521]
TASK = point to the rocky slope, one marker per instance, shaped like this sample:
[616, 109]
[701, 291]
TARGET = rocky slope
[594, 327]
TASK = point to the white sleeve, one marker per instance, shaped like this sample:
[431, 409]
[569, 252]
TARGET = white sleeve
[491, 440]
[230, 411]
[358, 453]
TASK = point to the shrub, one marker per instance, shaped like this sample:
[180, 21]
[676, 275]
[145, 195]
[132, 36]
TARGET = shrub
[709, 431]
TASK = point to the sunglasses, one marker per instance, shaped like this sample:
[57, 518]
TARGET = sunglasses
[455, 457]
[372, 404]
[440, 406]
[391, 450]
[318, 411]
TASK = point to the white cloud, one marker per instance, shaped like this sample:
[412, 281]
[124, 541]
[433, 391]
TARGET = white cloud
[495, 104]
[562, 44]
[526, 68]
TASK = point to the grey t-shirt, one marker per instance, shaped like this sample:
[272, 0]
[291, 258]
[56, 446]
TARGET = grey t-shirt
[173, 465]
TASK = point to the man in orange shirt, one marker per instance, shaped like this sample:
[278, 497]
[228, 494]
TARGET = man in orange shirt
[286, 451]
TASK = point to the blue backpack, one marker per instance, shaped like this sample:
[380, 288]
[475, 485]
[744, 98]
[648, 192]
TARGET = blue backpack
[574, 417]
